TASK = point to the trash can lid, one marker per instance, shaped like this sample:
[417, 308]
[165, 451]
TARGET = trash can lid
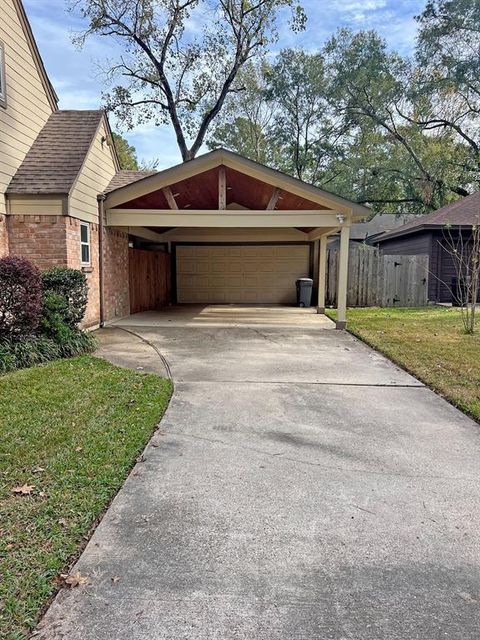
[304, 280]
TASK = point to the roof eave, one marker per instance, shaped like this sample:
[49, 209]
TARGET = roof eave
[27, 29]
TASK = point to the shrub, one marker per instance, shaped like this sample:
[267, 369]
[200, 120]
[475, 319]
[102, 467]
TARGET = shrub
[71, 284]
[55, 309]
[20, 297]
[15, 354]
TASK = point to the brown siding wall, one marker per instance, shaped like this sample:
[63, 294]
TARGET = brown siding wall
[116, 288]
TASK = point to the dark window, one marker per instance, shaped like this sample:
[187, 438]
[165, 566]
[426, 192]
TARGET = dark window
[84, 243]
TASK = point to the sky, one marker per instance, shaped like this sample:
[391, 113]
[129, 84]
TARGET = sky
[78, 81]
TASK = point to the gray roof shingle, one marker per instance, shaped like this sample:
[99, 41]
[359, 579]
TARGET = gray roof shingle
[55, 158]
[127, 176]
[461, 213]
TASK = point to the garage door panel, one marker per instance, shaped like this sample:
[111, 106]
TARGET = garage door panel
[240, 274]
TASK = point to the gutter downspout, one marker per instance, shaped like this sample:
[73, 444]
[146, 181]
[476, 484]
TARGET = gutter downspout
[101, 224]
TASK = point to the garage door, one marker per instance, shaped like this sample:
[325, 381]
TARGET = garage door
[240, 274]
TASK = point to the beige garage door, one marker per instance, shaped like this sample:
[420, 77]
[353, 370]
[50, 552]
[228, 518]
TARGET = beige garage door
[234, 274]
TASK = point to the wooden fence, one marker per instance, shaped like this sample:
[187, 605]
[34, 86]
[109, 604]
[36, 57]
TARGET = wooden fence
[379, 280]
[149, 276]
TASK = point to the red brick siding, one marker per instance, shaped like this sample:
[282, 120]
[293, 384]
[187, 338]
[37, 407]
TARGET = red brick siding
[3, 236]
[72, 228]
[116, 287]
[41, 239]
[55, 240]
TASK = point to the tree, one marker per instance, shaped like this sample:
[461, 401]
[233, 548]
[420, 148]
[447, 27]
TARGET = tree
[170, 74]
[244, 123]
[448, 49]
[464, 249]
[370, 87]
[127, 154]
[303, 126]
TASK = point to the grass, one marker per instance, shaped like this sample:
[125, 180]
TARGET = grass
[430, 343]
[72, 429]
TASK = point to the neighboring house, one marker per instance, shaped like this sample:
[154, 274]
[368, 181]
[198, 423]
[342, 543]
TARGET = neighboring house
[428, 235]
[223, 229]
[369, 230]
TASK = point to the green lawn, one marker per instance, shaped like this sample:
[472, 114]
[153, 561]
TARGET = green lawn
[428, 342]
[71, 430]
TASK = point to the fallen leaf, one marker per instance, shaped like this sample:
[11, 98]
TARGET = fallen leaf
[43, 494]
[38, 470]
[114, 579]
[78, 449]
[63, 522]
[9, 546]
[141, 458]
[24, 489]
[75, 579]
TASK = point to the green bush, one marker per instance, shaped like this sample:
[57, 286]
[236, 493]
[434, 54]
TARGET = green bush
[54, 310]
[63, 304]
[70, 284]
[16, 354]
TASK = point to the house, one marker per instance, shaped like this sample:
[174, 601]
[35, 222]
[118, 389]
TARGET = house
[429, 235]
[367, 231]
[217, 229]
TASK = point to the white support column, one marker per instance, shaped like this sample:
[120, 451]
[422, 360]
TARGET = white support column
[322, 273]
[342, 278]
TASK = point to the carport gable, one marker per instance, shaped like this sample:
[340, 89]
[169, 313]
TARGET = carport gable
[222, 189]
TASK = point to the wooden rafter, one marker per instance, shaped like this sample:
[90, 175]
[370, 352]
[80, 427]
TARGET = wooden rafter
[172, 203]
[272, 203]
[222, 188]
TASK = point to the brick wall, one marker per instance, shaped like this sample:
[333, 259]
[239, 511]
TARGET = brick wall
[116, 287]
[41, 239]
[55, 241]
[72, 234]
[3, 236]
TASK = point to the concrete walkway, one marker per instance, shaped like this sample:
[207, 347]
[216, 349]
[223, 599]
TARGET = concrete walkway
[300, 487]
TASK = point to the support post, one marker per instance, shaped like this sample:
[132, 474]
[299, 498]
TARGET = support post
[342, 278]
[322, 273]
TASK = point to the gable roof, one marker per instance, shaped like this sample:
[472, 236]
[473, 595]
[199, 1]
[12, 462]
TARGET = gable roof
[462, 213]
[57, 155]
[222, 157]
[27, 29]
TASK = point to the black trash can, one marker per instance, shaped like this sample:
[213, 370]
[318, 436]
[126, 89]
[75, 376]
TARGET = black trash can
[304, 292]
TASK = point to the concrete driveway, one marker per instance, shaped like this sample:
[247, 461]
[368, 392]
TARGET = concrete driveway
[300, 487]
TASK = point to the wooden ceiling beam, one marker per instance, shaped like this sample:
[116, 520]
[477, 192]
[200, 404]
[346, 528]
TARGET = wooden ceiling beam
[170, 198]
[222, 189]
[272, 203]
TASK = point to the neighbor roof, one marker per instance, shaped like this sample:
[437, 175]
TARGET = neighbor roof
[57, 155]
[380, 223]
[463, 212]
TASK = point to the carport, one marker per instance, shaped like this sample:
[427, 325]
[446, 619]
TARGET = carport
[235, 231]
